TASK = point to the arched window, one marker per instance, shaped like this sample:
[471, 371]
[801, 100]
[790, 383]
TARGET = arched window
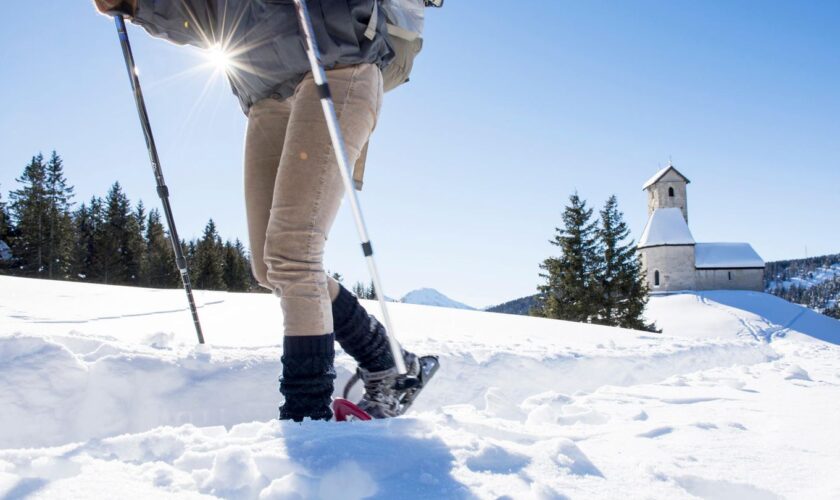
[670, 192]
[656, 278]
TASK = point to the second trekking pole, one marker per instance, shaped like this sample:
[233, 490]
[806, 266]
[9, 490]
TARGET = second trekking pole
[341, 155]
[162, 189]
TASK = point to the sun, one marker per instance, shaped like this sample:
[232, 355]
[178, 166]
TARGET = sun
[219, 58]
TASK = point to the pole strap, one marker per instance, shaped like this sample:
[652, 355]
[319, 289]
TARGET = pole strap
[367, 249]
[324, 91]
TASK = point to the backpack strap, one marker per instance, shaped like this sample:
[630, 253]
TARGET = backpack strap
[403, 33]
[370, 32]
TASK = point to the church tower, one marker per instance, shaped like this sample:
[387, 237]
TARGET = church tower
[667, 189]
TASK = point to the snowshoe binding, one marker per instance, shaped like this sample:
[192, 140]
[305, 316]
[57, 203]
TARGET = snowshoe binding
[387, 394]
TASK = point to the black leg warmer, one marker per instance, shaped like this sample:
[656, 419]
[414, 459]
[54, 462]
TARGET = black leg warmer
[308, 374]
[360, 334]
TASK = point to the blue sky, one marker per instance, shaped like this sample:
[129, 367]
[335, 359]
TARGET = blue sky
[512, 106]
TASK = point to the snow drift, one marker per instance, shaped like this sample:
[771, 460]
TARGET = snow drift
[104, 394]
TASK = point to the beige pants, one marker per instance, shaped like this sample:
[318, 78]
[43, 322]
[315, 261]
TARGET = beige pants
[293, 189]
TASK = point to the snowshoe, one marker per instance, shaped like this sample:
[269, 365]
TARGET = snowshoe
[386, 393]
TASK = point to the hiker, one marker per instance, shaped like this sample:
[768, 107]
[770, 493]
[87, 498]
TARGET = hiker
[293, 188]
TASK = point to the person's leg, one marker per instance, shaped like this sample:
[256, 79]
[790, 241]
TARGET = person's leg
[264, 138]
[359, 334]
[307, 195]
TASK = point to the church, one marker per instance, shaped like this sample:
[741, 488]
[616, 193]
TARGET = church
[673, 261]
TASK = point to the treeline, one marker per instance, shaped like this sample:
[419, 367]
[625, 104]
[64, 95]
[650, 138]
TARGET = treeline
[111, 240]
[598, 277]
[784, 270]
[822, 291]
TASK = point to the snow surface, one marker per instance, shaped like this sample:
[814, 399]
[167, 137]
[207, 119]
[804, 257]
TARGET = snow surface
[666, 226]
[104, 395]
[726, 255]
[432, 297]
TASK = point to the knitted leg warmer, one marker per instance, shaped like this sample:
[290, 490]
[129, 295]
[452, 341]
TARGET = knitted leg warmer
[308, 374]
[359, 334]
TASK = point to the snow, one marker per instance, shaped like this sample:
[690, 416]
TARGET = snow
[432, 297]
[726, 256]
[104, 395]
[666, 226]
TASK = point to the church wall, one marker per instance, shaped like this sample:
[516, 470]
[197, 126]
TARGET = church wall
[658, 197]
[675, 265]
[658, 194]
[741, 279]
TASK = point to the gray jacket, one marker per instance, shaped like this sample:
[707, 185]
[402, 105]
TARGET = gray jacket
[264, 39]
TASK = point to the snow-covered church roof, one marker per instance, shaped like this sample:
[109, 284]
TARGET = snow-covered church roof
[726, 256]
[658, 175]
[666, 226]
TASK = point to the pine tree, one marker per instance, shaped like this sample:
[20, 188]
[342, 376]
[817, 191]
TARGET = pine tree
[140, 241]
[6, 233]
[207, 267]
[5, 229]
[119, 247]
[88, 254]
[59, 221]
[569, 291]
[622, 291]
[29, 211]
[363, 291]
[161, 271]
[235, 267]
[135, 246]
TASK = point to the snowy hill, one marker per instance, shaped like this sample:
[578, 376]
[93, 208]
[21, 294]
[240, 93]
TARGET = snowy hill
[104, 395]
[431, 297]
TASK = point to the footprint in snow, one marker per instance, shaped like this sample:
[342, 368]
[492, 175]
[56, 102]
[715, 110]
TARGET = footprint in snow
[655, 433]
[497, 460]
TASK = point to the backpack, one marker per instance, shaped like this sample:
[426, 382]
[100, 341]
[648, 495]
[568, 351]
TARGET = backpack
[404, 19]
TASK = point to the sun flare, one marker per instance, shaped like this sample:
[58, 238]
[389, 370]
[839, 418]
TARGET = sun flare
[219, 58]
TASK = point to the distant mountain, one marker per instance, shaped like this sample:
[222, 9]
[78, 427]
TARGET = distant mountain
[431, 297]
[519, 306]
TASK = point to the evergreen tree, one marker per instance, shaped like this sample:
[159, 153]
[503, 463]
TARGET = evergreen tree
[622, 291]
[363, 291]
[140, 242]
[235, 267]
[136, 246]
[29, 211]
[5, 229]
[89, 260]
[570, 287]
[208, 258]
[161, 271]
[59, 221]
[119, 247]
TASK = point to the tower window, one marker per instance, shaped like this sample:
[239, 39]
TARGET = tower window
[730, 275]
[656, 278]
[670, 192]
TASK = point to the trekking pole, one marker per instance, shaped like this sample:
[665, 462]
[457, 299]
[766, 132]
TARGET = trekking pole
[344, 166]
[162, 190]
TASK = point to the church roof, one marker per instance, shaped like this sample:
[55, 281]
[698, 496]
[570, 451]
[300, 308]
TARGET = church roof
[666, 226]
[726, 256]
[658, 175]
